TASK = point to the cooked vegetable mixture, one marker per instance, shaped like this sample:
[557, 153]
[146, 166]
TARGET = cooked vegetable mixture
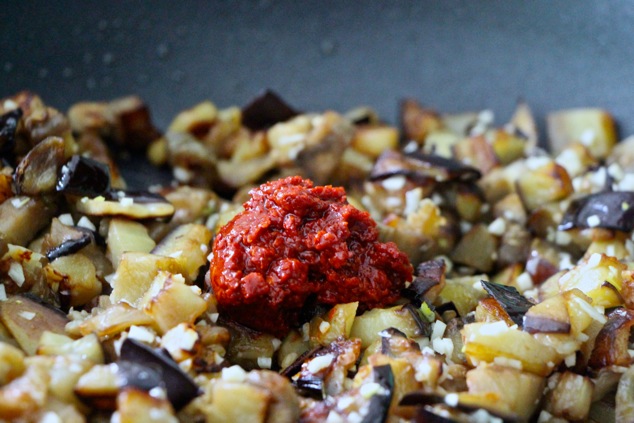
[314, 267]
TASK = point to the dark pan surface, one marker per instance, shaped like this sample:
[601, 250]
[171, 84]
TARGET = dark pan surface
[452, 55]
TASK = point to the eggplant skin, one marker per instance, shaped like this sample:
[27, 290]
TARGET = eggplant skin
[608, 210]
[514, 303]
[380, 403]
[8, 126]
[181, 389]
[266, 110]
[84, 176]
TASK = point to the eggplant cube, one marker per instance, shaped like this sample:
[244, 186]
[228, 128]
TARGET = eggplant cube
[170, 301]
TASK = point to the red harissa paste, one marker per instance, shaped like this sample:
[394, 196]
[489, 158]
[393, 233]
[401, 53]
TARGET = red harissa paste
[295, 241]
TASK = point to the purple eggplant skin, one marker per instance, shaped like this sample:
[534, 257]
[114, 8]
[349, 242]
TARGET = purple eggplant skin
[514, 303]
[613, 209]
[296, 365]
[379, 406]
[181, 389]
[266, 110]
[68, 247]
[8, 126]
[139, 197]
[422, 168]
[83, 176]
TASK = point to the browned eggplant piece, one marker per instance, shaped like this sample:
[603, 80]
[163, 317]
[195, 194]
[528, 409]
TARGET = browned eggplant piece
[426, 400]
[429, 281]
[624, 408]
[133, 125]
[294, 368]
[523, 123]
[477, 248]
[549, 316]
[609, 210]
[70, 246]
[423, 326]
[100, 386]
[8, 125]
[514, 303]
[36, 174]
[132, 204]
[422, 168]
[21, 218]
[323, 373]
[181, 389]
[394, 343]
[266, 110]
[417, 122]
[26, 320]
[84, 176]
[379, 406]
[611, 345]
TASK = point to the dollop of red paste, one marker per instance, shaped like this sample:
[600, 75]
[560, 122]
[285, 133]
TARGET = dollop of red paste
[296, 242]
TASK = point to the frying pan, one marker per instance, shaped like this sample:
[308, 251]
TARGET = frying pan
[452, 55]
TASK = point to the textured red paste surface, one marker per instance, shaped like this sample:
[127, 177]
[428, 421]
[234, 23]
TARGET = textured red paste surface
[294, 241]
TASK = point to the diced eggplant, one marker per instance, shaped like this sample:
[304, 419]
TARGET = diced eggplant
[549, 316]
[459, 294]
[135, 205]
[394, 342]
[21, 218]
[571, 397]
[68, 247]
[611, 345]
[335, 323]
[84, 176]
[424, 326]
[266, 110]
[134, 405]
[74, 276]
[624, 409]
[100, 385]
[491, 341]
[418, 122]
[515, 304]
[609, 210]
[113, 320]
[27, 320]
[189, 245]
[181, 389]
[593, 127]
[542, 183]
[380, 402]
[247, 346]
[196, 121]
[8, 125]
[372, 140]
[331, 365]
[323, 147]
[136, 273]
[294, 368]
[516, 393]
[133, 127]
[421, 168]
[127, 235]
[477, 249]
[428, 283]
[490, 310]
[37, 173]
[524, 124]
[368, 326]
[170, 301]
[476, 151]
